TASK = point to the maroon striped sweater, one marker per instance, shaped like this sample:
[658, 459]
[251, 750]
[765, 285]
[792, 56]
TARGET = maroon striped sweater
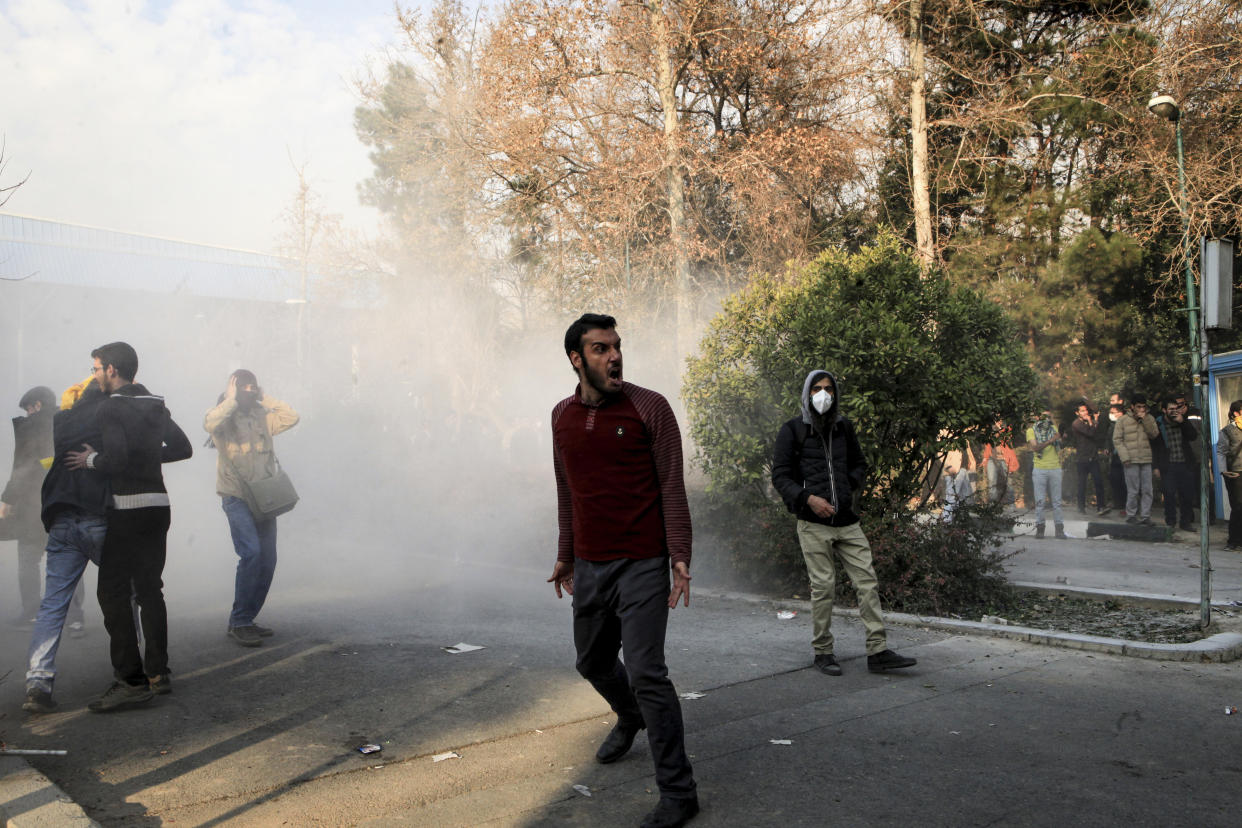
[619, 485]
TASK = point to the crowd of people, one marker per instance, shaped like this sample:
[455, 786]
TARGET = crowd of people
[1135, 445]
[87, 487]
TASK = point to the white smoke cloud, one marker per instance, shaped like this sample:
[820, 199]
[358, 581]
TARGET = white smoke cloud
[178, 118]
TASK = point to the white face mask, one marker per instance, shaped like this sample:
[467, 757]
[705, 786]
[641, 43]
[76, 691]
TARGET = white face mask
[1114, 417]
[822, 401]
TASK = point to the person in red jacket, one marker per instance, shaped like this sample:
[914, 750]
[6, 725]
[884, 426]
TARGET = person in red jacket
[623, 520]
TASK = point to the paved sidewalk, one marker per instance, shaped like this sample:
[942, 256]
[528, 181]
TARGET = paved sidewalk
[28, 799]
[1124, 566]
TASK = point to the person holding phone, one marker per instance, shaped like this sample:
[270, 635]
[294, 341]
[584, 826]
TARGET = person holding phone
[1229, 461]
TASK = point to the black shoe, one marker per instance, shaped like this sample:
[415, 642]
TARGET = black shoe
[1039, 530]
[826, 663]
[38, 701]
[1061, 531]
[1132, 519]
[888, 660]
[121, 695]
[246, 636]
[1145, 521]
[671, 813]
[617, 743]
[161, 685]
[264, 632]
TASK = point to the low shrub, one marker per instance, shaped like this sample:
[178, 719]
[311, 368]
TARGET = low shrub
[927, 566]
[924, 566]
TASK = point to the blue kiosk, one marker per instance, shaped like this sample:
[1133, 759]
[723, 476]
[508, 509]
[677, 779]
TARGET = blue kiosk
[1224, 386]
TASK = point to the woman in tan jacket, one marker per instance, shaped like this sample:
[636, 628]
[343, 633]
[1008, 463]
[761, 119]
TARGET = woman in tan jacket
[242, 426]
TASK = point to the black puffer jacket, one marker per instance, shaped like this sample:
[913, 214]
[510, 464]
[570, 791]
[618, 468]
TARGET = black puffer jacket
[800, 467]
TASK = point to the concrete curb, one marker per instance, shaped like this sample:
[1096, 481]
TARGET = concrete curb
[1221, 647]
[1134, 599]
[28, 799]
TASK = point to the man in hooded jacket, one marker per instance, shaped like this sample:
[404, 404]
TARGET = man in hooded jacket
[818, 468]
[138, 435]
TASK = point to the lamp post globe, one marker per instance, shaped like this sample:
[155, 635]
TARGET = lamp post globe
[1165, 106]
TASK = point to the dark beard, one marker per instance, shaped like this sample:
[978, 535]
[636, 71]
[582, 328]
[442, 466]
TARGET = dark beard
[598, 381]
[819, 421]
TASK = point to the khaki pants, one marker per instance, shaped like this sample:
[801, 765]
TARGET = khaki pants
[818, 543]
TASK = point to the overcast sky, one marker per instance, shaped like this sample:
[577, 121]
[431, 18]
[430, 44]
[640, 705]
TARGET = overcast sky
[177, 118]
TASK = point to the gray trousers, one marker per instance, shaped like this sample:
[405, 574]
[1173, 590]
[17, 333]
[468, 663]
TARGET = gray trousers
[997, 471]
[1047, 484]
[1138, 490]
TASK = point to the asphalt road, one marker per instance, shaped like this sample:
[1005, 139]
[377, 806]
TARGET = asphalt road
[982, 732]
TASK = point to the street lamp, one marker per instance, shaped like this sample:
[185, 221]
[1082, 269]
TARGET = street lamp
[1165, 106]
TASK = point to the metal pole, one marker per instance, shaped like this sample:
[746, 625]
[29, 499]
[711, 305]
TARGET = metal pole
[1200, 396]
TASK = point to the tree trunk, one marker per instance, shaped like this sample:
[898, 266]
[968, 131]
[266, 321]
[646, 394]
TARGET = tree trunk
[918, 139]
[666, 83]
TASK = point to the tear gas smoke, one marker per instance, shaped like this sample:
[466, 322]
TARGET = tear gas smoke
[423, 449]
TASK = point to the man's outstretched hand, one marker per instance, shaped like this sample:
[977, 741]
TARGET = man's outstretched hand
[563, 577]
[681, 585]
[75, 460]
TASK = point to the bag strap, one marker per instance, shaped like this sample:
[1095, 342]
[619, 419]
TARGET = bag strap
[225, 456]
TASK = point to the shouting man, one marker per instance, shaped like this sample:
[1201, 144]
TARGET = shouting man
[623, 517]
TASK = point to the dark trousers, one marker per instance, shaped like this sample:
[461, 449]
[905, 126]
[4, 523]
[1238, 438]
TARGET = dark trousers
[1177, 482]
[132, 563]
[622, 605]
[1090, 468]
[1117, 480]
[1233, 488]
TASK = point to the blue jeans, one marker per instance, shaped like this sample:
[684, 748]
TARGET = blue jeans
[254, 541]
[1047, 487]
[75, 538]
